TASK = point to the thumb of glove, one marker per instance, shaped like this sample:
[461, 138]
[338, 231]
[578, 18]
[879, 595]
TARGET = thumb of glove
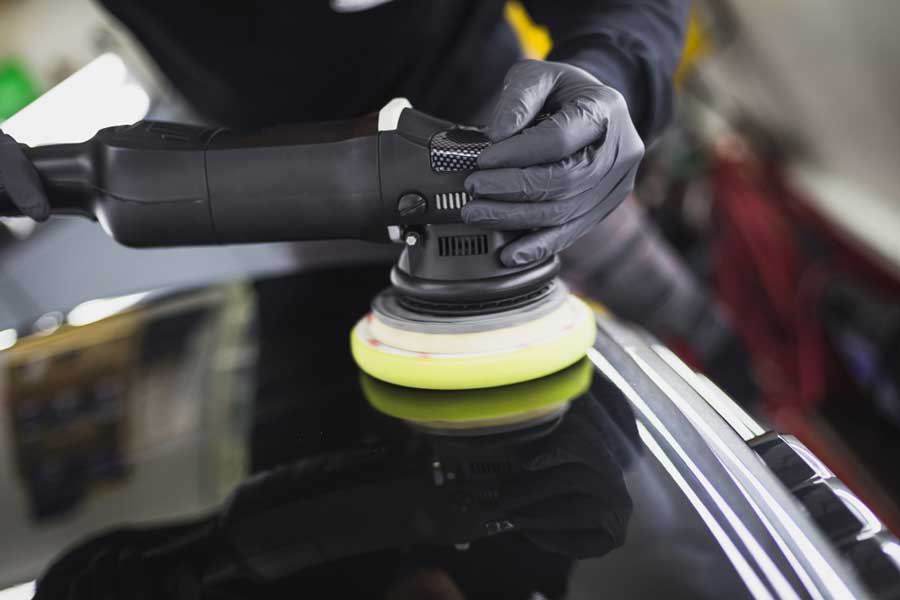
[20, 180]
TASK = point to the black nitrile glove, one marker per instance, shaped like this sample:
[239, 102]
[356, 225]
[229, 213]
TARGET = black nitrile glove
[561, 175]
[21, 181]
[570, 496]
[134, 563]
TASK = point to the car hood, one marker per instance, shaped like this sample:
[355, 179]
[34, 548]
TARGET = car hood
[236, 411]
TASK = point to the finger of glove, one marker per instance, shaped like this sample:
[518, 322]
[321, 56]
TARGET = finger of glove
[517, 216]
[544, 457]
[581, 121]
[20, 179]
[540, 244]
[576, 441]
[572, 512]
[513, 216]
[577, 544]
[521, 491]
[555, 181]
[525, 90]
[548, 195]
[583, 450]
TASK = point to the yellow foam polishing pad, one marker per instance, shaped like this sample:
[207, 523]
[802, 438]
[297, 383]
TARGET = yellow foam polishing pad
[481, 359]
[490, 407]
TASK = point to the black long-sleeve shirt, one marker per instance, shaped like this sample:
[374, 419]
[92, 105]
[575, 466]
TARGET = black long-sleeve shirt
[250, 64]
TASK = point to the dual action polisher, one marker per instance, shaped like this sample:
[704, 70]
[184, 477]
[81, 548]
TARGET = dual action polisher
[454, 316]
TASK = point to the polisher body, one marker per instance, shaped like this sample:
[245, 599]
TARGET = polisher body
[457, 317]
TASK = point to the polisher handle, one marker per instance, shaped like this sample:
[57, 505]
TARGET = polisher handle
[168, 184]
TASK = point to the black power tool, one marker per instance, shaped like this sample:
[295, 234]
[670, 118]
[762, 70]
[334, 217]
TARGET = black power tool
[455, 317]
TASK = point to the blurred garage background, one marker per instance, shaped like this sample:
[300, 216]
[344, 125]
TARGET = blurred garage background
[777, 183]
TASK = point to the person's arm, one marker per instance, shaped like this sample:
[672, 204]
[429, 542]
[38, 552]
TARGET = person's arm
[569, 133]
[631, 45]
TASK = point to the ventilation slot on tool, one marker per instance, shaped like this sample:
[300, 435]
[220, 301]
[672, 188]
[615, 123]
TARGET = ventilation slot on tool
[462, 245]
[451, 201]
[486, 467]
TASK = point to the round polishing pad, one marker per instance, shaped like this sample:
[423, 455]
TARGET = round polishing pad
[427, 357]
[485, 411]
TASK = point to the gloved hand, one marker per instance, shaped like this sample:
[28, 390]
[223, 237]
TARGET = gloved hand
[132, 563]
[570, 496]
[21, 181]
[561, 175]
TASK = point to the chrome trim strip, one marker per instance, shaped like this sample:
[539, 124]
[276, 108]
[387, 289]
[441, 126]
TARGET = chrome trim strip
[891, 549]
[743, 424]
[791, 557]
[808, 457]
[676, 410]
[872, 525]
[743, 568]
[772, 573]
[726, 452]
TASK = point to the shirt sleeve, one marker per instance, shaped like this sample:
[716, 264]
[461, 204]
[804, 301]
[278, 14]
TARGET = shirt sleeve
[632, 45]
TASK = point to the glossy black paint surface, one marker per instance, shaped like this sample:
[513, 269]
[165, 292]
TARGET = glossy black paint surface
[228, 430]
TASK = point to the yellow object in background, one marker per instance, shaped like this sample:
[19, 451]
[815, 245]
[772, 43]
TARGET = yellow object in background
[534, 39]
[536, 42]
[696, 45]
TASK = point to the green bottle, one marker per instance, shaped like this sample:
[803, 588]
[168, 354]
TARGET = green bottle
[17, 87]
